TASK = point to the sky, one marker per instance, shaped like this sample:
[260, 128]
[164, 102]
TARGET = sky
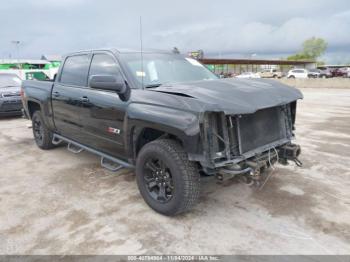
[222, 28]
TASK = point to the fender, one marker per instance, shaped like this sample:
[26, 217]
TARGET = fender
[182, 124]
[187, 122]
[40, 95]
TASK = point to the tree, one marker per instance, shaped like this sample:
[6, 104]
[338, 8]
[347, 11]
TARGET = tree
[313, 48]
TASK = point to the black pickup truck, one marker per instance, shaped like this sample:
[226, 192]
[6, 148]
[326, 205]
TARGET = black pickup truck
[168, 117]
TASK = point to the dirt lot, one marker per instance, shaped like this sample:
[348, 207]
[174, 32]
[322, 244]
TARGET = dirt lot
[55, 202]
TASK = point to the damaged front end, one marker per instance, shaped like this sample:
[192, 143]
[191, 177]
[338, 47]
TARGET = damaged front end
[249, 144]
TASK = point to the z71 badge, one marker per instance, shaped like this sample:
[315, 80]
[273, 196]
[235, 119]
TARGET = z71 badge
[113, 130]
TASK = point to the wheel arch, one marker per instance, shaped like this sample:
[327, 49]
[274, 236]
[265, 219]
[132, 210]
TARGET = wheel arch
[32, 107]
[142, 135]
[143, 119]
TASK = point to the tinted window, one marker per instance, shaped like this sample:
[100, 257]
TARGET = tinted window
[103, 64]
[75, 70]
[298, 71]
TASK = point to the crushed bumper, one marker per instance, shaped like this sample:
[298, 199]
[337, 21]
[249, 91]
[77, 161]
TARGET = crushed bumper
[255, 166]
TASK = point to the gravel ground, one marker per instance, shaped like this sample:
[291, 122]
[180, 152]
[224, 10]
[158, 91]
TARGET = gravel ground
[56, 202]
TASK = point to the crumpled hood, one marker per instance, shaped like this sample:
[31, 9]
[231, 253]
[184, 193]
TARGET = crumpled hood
[233, 96]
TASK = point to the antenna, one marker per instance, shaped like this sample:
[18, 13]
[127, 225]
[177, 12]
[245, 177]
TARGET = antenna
[141, 47]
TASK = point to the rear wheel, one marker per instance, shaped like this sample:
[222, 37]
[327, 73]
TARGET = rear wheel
[167, 180]
[42, 135]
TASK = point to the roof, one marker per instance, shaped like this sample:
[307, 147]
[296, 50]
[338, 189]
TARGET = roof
[335, 66]
[216, 61]
[52, 57]
[22, 61]
[123, 51]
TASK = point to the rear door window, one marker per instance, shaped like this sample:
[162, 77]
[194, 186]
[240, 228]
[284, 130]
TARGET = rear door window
[75, 70]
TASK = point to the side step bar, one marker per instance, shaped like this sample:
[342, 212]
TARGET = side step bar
[111, 163]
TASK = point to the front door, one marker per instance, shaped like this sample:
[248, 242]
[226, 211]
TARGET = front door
[103, 112]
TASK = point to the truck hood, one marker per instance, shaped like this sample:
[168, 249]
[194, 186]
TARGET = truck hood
[10, 90]
[232, 96]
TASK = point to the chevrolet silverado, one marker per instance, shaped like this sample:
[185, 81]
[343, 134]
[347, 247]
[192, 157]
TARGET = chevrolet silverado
[168, 117]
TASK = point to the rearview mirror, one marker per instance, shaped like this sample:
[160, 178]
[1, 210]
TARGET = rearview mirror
[112, 83]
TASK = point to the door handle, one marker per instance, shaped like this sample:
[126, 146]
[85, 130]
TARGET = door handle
[84, 99]
[56, 94]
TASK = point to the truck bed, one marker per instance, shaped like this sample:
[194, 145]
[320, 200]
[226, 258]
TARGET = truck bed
[40, 92]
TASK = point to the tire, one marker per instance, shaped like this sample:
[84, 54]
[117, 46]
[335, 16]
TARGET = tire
[291, 77]
[42, 135]
[180, 177]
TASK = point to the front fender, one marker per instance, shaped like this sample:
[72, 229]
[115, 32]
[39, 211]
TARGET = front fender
[184, 125]
[187, 122]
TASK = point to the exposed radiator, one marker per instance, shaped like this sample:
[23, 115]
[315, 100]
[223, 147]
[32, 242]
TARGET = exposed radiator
[262, 128]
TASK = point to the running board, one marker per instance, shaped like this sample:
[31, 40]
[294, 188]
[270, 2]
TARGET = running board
[111, 163]
[74, 149]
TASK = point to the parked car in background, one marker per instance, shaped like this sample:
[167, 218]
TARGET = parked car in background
[271, 73]
[340, 72]
[248, 75]
[325, 72]
[314, 73]
[348, 72]
[298, 73]
[10, 95]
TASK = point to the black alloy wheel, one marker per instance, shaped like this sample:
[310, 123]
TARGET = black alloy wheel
[42, 135]
[168, 181]
[38, 129]
[158, 179]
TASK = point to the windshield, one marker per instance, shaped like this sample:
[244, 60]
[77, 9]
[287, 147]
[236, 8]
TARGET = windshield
[159, 69]
[9, 80]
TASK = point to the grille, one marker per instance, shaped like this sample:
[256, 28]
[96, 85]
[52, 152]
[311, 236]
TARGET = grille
[11, 94]
[261, 128]
[11, 105]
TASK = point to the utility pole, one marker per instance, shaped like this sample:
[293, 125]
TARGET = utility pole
[16, 43]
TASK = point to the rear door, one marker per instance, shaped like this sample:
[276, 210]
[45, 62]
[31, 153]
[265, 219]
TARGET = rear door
[68, 96]
[103, 113]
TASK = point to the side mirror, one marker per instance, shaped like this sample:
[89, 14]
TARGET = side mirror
[112, 83]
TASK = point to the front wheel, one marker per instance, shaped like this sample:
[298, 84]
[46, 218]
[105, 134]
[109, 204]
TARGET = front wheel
[167, 180]
[42, 135]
